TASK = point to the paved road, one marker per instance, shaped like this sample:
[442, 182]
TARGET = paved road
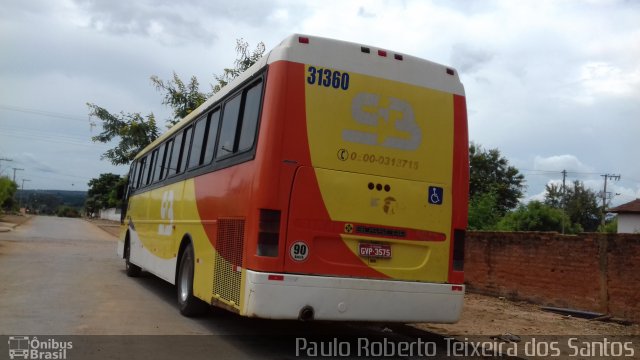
[61, 276]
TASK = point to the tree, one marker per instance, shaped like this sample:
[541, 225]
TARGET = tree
[8, 189]
[482, 214]
[244, 61]
[580, 204]
[103, 191]
[554, 196]
[534, 216]
[491, 173]
[134, 131]
[182, 98]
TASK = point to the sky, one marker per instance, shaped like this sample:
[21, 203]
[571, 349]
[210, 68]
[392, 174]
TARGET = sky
[554, 85]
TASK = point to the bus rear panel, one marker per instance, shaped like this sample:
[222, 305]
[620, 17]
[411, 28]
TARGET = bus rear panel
[378, 180]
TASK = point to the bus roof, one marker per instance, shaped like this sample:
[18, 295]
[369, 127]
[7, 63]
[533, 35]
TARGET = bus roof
[343, 55]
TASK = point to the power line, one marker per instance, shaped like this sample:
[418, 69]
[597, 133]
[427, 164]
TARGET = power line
[48, 134]
[61, 140]
[44, 113]
[560, 172]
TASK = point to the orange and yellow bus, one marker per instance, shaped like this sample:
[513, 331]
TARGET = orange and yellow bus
[329, 181]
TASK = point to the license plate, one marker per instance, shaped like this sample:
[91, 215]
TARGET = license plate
[374, 250]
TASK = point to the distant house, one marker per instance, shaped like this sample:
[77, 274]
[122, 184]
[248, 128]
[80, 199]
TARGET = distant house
[628, 217]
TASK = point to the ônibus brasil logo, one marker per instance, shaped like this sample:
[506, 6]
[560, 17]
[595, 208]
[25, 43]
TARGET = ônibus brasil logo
[27, 347]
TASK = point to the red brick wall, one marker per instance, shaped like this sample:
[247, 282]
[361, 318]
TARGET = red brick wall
[595, 272]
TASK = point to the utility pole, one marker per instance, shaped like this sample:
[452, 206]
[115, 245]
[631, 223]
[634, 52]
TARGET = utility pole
[14, 173]
[564, 211]
[21, 192]
[605, 195]
[1, 160]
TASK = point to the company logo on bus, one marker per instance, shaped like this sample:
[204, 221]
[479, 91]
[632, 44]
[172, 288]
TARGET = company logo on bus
[371, 230]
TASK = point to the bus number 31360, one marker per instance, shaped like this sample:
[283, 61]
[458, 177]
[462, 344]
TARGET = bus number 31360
[328, 78]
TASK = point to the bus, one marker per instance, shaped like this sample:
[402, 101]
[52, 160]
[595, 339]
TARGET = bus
[329, 181]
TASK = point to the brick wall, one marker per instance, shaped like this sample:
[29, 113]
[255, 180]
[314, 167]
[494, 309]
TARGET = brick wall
[595, 272]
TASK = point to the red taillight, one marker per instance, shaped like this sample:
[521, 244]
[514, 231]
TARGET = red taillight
[276, 277]
[382, 53]
[450, 71]
[459, 236]
[398, 57]
[457, 288]
[303, 39]
[268, 233]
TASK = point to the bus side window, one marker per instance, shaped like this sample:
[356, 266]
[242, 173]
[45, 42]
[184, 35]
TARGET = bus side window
[141, 171]
[195, 157]
[134, 175]
[184, 151]
[167, 162]
[152, 165]
[229, 125]
[175, 155]
[250, 116]
[157, 173]
[212, 133]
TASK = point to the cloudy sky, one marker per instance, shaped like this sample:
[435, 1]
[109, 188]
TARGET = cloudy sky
[552, 84]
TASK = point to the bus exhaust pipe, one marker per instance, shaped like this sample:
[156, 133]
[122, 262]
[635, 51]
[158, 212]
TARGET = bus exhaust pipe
[306, 314]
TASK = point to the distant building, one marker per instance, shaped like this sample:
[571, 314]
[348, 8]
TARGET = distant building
[628, 217]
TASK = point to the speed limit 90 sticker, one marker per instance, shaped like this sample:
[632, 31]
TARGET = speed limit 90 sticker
[299, 251]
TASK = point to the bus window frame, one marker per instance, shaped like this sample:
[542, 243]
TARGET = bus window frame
[248, 154]
[215, 164]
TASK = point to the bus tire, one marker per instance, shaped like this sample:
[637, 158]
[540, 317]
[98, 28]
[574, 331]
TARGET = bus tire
[190, 306]
[132, 269]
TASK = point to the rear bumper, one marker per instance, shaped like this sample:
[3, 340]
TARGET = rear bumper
[351, 299]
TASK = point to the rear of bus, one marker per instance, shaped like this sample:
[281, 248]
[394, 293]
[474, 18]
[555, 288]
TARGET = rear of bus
[364, 176]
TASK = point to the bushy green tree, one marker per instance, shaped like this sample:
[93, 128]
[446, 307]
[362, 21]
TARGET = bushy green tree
[482, 212]
[490, 173]
[534, 216]
[8, 189]
[180, 97]
[103, 192]
[133, 131]
[579, 203]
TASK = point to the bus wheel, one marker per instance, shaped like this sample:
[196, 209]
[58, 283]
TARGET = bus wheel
[133, 270]
[190, 305]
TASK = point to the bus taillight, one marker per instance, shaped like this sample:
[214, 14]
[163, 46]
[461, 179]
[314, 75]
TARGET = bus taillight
[268, 232]
[458, 249]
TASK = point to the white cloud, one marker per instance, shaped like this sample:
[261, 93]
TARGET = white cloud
[560, 162]
[604, 79]
[623, 194]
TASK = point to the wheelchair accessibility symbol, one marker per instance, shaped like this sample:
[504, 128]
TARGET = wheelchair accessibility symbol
[435, 195]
